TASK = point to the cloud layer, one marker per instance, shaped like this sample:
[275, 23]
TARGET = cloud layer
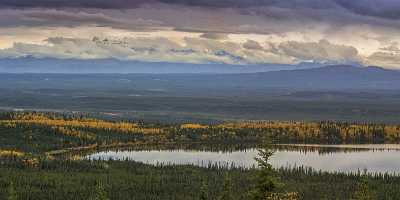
[223, 31]
[382, 8]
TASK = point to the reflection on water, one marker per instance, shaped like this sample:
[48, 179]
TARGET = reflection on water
[342, 158]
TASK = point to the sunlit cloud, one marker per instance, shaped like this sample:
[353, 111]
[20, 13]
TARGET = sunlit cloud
[224, 31]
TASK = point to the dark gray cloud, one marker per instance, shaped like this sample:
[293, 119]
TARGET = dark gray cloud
[104, 4]
[123, 4]
[389, 9]
[132, 3]
[71, 17]
[314, 4]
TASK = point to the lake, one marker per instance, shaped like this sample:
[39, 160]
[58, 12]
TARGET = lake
[332, 158]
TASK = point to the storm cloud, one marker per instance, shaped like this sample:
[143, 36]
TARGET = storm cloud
[222, 31]
[383, 8]
[104, 4]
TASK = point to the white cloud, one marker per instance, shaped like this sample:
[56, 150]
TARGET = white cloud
[320, 51]
[192, 48]
[387, 59]
[252, 45]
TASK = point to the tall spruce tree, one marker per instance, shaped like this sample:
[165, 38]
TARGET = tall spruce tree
[227, 189]
[204, 191]
[267, 180]
[363, 192]
[100, 192]
[12, 193]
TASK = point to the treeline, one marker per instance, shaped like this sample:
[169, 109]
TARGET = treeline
[318, 132]
[119, 180]
[325, 132]
[43, 132]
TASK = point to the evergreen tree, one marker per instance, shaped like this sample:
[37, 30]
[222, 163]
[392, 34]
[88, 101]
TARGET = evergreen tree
[267, 180]
[12, 193]
[204, 191]
[100, 193]
[363, 192]
[227, 189]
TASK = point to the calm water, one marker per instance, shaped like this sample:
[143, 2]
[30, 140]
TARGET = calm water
[342, 158]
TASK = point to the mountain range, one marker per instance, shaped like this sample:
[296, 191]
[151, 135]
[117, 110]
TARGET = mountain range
[75, 66]
[332, 77]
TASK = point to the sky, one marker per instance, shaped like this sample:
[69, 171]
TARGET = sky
[204, 31]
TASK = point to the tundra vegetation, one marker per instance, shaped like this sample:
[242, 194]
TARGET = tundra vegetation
[40, 159]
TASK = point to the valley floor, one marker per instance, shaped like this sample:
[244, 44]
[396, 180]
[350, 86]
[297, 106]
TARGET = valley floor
[31, 168]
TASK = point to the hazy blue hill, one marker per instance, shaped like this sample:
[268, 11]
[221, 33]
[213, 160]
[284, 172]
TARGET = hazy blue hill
[340, 77]
[326, 93]
[52, 65]
[331, 77]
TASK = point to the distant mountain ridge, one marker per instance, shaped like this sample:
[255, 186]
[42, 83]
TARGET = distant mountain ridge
[73, 66]
[338, 77]
[333, 77]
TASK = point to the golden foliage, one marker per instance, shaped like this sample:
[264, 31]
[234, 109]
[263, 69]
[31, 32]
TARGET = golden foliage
[31, 162]
[10, 153]
[193, 126]
[283, 196]
[315, 129]
[74, 133]
[41, 119]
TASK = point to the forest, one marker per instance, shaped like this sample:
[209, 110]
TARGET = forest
[37, 160]
[44, 132]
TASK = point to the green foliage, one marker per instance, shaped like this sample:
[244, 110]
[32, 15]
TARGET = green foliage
[12, 193]
[267, 181]
[363, 192]
[227, 193]
[42, 176]
[204, 191]
[126, 180]
[121, 180]
[99, 192]
[43, 132]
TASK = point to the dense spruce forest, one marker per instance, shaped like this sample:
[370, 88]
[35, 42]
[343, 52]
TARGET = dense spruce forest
[57, 179]
[37, 160]
[50, 132]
